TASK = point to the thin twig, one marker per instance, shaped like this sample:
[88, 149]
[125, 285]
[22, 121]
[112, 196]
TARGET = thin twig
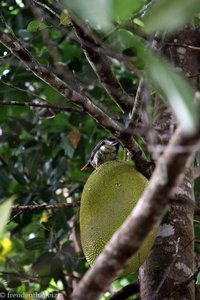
[184, 45]
[167, 272]
[47, 8]
[138, 104]
[41, 207]
[32, 104]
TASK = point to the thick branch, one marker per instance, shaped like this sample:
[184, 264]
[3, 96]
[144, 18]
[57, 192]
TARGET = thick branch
[148, 211]
[102, 68]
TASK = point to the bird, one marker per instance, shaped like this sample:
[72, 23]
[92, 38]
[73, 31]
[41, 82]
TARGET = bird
[105, 150]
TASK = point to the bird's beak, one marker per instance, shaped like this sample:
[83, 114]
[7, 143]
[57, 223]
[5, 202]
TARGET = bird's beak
[87, 166]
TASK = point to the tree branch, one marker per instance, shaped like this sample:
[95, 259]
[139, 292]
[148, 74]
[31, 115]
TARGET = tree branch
[102, 68]
[138, 104]
[99, 63]
[46, 75]
[41, 207]
[147, 213]
[32, 104]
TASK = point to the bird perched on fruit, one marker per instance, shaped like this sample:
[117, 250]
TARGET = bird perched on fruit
[106, 150]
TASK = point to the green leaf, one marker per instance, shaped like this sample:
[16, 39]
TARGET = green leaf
[122, 10]
[170, 14]
[97, 13]
[35, 25]
[31, 162]
[66, 145]
[198, 279]
[5, 210]
[175, 89]
[121, 40]
[37, 243]
[64, 18]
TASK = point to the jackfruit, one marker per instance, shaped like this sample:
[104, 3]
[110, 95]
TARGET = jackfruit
[108, 197]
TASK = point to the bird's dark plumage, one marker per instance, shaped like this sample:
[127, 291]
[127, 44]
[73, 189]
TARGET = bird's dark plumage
[105, 150]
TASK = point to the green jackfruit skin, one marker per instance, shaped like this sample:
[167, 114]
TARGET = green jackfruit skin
[109, 195]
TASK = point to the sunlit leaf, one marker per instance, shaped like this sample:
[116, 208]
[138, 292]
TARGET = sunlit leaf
[198, 279]
[170, 14]
[64, 18]
[5, 210]
[6, 247]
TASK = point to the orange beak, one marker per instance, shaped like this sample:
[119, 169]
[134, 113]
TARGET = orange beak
[87, 166]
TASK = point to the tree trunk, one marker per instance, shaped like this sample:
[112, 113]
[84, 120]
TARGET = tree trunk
[165, 273]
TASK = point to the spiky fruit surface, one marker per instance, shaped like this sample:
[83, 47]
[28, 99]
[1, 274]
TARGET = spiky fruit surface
[109, 195]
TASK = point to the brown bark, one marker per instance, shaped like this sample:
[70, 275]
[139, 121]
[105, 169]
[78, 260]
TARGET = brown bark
[171, 261]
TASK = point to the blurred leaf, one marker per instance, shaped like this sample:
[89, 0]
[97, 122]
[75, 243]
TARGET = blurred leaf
[44, 217]
[5, 210]
[47, 264]
[138, 22]
[74, 136]
[33, 26]
[4, 178]
[122, 10]
[64, 18]
[97, 13]
[37, 243]
[198, 279]
[31, 162]
[36, 25]
[7, 245]
[66, 145]
[121, 40]
[176, 90]
[19, 176]
[25, 34]
[169, 14]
